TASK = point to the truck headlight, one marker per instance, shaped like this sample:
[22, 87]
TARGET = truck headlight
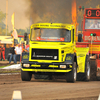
[62, 66]
[26, 65]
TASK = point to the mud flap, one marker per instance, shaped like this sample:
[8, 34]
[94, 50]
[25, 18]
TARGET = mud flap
[85, 76]
[81, 57]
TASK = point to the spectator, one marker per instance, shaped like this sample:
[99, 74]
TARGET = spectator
[27, 48]
[23, 47]
[2, 52]
[13, 54]
[18, 50]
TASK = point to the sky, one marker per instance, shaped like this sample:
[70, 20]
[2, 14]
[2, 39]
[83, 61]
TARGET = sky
[19, 7]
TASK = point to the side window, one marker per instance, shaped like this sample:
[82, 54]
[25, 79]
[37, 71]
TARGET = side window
[73, 34]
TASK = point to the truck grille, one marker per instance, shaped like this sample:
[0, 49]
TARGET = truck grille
[45, 54]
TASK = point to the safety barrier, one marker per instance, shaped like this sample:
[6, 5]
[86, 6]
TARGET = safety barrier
[16, 95]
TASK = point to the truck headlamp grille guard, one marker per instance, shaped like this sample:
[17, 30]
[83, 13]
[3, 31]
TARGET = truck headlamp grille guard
[45, 54]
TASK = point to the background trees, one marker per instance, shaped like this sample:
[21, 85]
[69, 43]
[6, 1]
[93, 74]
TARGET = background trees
[3, 27]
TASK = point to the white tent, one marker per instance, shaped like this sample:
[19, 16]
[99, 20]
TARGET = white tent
[6, 39]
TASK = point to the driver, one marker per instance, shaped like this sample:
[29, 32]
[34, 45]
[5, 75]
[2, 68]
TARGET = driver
[66, 35]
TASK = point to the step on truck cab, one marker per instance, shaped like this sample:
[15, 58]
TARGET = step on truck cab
[53, 51]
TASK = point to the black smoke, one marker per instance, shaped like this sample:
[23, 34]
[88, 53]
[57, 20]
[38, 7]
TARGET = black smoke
[58, 11]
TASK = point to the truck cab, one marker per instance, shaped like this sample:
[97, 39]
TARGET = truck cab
[52, 51]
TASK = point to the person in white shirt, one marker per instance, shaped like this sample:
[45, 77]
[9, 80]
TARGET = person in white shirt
[95, 25]
[18, 50]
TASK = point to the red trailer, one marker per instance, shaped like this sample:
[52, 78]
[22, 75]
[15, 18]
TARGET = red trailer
[91, 35]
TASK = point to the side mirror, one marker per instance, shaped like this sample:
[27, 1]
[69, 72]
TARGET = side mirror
[25, 36]
[79, 37]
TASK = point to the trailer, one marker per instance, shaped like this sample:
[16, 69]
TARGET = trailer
[90, 36]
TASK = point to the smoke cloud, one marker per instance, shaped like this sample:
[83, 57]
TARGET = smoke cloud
[58, 11]
[50, 10]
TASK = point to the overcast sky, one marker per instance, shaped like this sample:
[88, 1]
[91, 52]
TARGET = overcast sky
[19, 7]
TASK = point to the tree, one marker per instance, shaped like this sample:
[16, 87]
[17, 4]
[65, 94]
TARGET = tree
[2, 25]
[22, 31]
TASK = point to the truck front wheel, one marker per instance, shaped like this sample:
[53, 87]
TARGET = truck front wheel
[87, 70]
[26, 76]
[72, 76]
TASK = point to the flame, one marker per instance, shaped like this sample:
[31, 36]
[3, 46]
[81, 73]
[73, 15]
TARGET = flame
[12, 20]
[74, 15]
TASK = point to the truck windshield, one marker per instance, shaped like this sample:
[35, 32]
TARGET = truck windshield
[50, 35]
[92, 23]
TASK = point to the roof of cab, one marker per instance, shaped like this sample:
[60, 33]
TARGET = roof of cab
[53, 25]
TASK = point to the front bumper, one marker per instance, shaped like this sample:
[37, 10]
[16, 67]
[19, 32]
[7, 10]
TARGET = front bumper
[46, 67]
[45, 70]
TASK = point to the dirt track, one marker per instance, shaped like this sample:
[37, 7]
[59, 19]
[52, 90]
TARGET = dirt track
[48, 90]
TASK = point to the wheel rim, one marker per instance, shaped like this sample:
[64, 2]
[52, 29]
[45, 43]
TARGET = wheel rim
[74, 74]
[88, 70]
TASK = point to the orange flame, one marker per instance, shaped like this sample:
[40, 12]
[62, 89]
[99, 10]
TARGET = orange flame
[74, 15]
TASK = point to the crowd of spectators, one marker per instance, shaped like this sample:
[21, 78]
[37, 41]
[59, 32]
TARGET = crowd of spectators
[16, 52]
[16, 49]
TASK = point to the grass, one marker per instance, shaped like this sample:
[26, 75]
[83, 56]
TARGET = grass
[10, 71]
[4, 66]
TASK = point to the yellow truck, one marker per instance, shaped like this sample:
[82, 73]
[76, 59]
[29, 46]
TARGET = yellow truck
[53, 51]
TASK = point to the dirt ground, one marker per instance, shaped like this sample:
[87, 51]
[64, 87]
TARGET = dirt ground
[48, 90]
[56, 89]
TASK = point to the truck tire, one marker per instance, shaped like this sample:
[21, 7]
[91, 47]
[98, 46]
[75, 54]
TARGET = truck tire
[26, 76]
[72, 76]
[93, 69]
[85, 76]
[98, 78]
[87, 70]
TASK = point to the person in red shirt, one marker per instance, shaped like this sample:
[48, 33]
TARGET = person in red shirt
[0, 53]
[23, 47]
[2, 49]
